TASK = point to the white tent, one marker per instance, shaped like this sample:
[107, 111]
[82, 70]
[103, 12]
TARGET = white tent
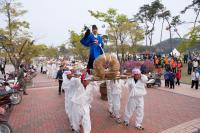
[175, 52]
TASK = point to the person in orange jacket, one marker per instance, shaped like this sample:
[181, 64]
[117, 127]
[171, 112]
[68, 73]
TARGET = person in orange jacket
[167, 64]
[166, 60]
[156, 62]
[174, 66]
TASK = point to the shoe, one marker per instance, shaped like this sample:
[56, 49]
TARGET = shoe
[59, 93]
[112, 115]
[118, 120]
[72, 128]
[25, 93]
[63, 91]
[126, 123]
[140, 128]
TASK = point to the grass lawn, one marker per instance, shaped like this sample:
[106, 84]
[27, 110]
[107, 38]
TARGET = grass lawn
[185, 77]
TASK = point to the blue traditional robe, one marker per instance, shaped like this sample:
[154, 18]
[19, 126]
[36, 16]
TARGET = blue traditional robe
[95, 49]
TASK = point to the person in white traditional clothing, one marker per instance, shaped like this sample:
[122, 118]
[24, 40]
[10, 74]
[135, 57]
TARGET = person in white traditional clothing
[68, 86]
[54, 70]
[116, 87]
[109, 97]
[48, 70]
[81, 104]
[64, 77]
[135, 101]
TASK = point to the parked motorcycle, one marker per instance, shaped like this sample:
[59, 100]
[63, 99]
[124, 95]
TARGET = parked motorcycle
[4, 126]
[5, 101]
[13, 93]
[9, 78]
[154, 80]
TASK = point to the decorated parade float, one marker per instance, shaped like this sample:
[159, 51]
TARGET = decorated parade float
[106, 66]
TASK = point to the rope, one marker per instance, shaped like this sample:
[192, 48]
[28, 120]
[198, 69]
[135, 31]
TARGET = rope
[105, 57]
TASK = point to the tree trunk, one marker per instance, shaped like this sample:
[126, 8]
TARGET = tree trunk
[177, 31]
[151, 37]
[146, 39]
[170, 34]
[161, 34]
[196, 18]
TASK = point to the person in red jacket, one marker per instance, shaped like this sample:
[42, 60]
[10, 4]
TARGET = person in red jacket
[179, 65]
[178, 77]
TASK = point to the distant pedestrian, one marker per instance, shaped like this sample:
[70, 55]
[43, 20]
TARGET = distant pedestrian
[59, 77]
[178, 77]
[179, 65]
[156, 61]
[171, 79]
[185, 58]
[3, 66]
[21, 79]
[41, 69]
[174, 65]
[198, 59]
[167, 65]
[166, 77]
[195, 79]
[190, 65]
[195, 64]
[143, 69]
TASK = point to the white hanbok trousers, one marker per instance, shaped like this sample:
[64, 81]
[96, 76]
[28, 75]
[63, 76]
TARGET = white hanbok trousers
[135, 103]
[110, 102]
[116, 105]
[81, 116]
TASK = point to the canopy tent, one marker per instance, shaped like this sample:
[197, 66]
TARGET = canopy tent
[175, 52]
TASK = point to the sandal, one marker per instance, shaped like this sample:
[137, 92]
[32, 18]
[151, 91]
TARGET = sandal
[118, 120]
[72, 128]
[126, 123]
[112, 115]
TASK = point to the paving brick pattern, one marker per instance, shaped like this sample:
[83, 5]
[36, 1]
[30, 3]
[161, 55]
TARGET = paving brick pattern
[183, 89]
[42, 111]
[42, 80]
[187, 127]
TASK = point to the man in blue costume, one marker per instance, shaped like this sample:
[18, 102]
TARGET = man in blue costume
[95, 43]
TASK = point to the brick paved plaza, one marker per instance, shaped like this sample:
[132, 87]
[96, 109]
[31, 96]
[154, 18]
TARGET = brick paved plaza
[42, 111]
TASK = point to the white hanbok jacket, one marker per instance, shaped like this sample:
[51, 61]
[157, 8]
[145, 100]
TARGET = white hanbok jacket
[116, 86]
[69, 87]
[84, 96]
[138, 88]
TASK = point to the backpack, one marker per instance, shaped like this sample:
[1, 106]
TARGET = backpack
[166, 76]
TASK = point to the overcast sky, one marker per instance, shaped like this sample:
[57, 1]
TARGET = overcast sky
[50, 20]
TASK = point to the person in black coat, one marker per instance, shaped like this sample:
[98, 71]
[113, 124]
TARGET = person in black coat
[171, 80]
[190, 65]
[60, 79]
[185, 58]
